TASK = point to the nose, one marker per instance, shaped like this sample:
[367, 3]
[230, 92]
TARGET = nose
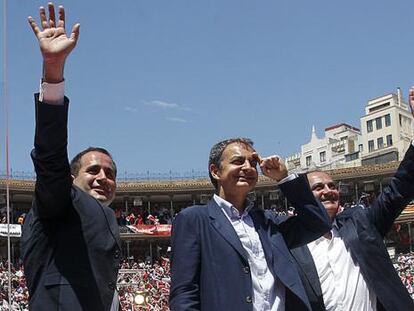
[247, 165]
[326, 188]
[101, 175]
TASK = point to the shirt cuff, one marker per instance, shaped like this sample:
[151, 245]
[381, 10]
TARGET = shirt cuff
[52, 93]
[288, 178]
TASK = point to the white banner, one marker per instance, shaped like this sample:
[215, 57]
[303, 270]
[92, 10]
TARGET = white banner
[15, 230]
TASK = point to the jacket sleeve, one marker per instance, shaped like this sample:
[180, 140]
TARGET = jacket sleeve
[53, 178]
[395, 197]
[311, 219]
[185, 264]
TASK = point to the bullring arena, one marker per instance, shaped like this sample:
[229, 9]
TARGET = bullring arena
[146, 208]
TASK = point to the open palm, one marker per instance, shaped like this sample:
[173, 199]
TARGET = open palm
[53, 41]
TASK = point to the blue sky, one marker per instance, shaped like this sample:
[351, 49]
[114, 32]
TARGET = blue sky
[159, 82]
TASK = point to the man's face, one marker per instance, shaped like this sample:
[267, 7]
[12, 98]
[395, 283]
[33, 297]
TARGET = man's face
[237, 172]
[97, 176]
[325, 190]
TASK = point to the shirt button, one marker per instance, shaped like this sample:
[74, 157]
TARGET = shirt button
[249, 299]
[246, 269]
[116, 254]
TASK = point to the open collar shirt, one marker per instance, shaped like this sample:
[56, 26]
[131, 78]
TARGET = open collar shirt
[268, 293]
[343, 286]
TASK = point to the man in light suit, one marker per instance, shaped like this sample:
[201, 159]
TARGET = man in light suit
[349, 268]
[70, 242]
[228, 255]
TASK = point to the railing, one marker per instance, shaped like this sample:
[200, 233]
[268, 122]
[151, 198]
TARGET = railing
[124, 176]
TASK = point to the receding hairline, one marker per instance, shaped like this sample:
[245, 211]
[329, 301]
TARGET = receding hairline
[242, 143]
[316, 172]
[81, 163]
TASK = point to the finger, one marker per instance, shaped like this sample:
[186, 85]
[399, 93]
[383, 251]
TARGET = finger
[75, 32]
[61, 22]
[411, 99]
[256, 157]
[33, 25]
[275, 161]
[43, 21]
[52, 18]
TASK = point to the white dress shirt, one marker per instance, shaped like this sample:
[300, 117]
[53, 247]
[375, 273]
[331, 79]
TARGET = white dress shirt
[268, 293]
[343, 286]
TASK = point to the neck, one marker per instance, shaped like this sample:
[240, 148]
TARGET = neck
[237, 200]
[328, 235]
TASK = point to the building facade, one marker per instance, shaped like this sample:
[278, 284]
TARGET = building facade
[386, 131]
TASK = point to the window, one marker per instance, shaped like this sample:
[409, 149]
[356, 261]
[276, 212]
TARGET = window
[370, 145]
[369, 126]
[378, 123]
[387, 120]
[308, 160]
[351, 157]
[322, 156]
[361, 147]
[389, 140]
[380, 142]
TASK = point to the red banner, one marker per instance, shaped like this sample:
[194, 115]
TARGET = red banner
[156, 230]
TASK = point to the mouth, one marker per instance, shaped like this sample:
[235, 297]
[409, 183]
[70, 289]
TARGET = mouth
[100, 191]
[329, 201]
[246, 178]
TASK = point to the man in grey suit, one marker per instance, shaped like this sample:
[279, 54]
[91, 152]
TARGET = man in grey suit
[70, 242]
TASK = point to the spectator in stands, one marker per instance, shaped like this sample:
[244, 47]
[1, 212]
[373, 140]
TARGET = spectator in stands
[70, 242]
[353, 253]
[227, 255]
[130, 219]
[139, 221]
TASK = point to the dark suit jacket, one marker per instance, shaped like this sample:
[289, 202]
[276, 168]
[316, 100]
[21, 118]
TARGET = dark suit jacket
[210, 269]
[70, 242]
[363, 232]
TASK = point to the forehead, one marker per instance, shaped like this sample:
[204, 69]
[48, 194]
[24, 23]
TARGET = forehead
[237, 149]
[96, 158]
[319, 177]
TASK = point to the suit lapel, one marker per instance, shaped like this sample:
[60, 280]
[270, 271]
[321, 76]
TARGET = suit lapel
[224, 228]
[349, 235]
[305, 262]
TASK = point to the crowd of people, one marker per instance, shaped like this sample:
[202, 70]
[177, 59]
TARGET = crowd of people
[19, 292]
[404, 265]
[151, 281]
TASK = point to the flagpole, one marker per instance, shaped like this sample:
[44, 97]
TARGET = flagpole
[6, 124]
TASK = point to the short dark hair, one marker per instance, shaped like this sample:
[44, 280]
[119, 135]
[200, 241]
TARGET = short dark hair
[216, 153]
[75, 164]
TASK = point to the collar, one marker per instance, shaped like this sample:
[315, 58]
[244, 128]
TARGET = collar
[334, 233]
[230, 210]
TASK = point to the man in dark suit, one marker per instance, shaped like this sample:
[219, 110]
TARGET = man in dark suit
[70, 242]
[228, 255]
[349, 267]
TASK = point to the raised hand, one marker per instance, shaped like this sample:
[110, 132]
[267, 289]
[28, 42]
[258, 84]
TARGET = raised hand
[273, 167]
[54, 44]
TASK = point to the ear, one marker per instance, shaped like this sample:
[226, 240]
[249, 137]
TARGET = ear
[214, 171]
[73, 177]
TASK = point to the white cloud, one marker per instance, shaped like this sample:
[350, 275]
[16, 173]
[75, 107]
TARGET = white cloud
[165, 105]
[179, 120]
[131, 109]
